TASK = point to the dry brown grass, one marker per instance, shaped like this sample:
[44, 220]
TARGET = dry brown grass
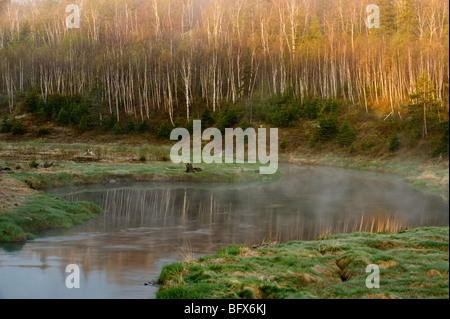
[246, 252]
[387, 264]
[434, 273]
[12, 192]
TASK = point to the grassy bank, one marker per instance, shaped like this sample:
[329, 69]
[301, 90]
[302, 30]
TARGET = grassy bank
[41, 212]
[25, 210]
[421, 172]
[126, 162]
[413, 264]
[117, 163]
[70, 173]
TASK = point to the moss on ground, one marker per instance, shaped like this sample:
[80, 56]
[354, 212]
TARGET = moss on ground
[413, 264]
[41, 212]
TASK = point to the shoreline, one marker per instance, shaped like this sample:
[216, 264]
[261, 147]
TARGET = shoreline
[329, 267]
[422, 173]
[412, 264]
[26, 211]
[117, 163]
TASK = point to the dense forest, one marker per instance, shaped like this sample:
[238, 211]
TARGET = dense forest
[133, 59]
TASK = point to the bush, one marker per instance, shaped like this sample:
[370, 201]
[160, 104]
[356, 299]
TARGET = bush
[31, 101]
[143, 127]
[54, 105]
[346, 134]
[207, 118]
[130, 127]
[331, 106]
[118, 129]
[63, 118]
[312, 108]
[109, 122]
[327, 127]
[442, 148]
[17, 128]
[164, 130]
[5, 126]
[279, 111]
[83, 126]
[394, 143]
[45, 111]
[42, 113]
[227, 119]
[42, 131]
[282, 118]
[245, 124]
[33, 164]
[190, 125]
[179, 122]
[78, 112]
[283, 144]
[284, 113]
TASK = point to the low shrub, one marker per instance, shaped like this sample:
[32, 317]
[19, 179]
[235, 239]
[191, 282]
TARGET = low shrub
[18, 128]
[394, 143]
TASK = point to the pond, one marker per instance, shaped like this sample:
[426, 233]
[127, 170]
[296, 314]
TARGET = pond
[148, 225]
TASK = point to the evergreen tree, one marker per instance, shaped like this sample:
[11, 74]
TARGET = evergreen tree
[422, 100]
[63, 117]
[207, 118]
[17, 128]
[387, 16]
[407, 19]
[84, 124]
[328, 127]
[31, 101]
[346, 134]
[394, 143]
[5, 126]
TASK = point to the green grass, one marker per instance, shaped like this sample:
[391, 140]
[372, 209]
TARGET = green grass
[70, 173]
[413, 264]
[120, 163]
[410, 169]
[41, 212]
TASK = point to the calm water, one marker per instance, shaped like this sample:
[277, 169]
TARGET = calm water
[146, 226]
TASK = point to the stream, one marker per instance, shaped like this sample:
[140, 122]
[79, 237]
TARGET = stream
[145, 226]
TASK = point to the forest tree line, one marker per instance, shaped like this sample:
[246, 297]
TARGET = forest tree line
[175, 56]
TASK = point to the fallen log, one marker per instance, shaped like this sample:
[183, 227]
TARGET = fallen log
[47, 165]
[192, 169]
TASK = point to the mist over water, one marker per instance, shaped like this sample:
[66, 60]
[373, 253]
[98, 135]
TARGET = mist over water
[148, 225]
